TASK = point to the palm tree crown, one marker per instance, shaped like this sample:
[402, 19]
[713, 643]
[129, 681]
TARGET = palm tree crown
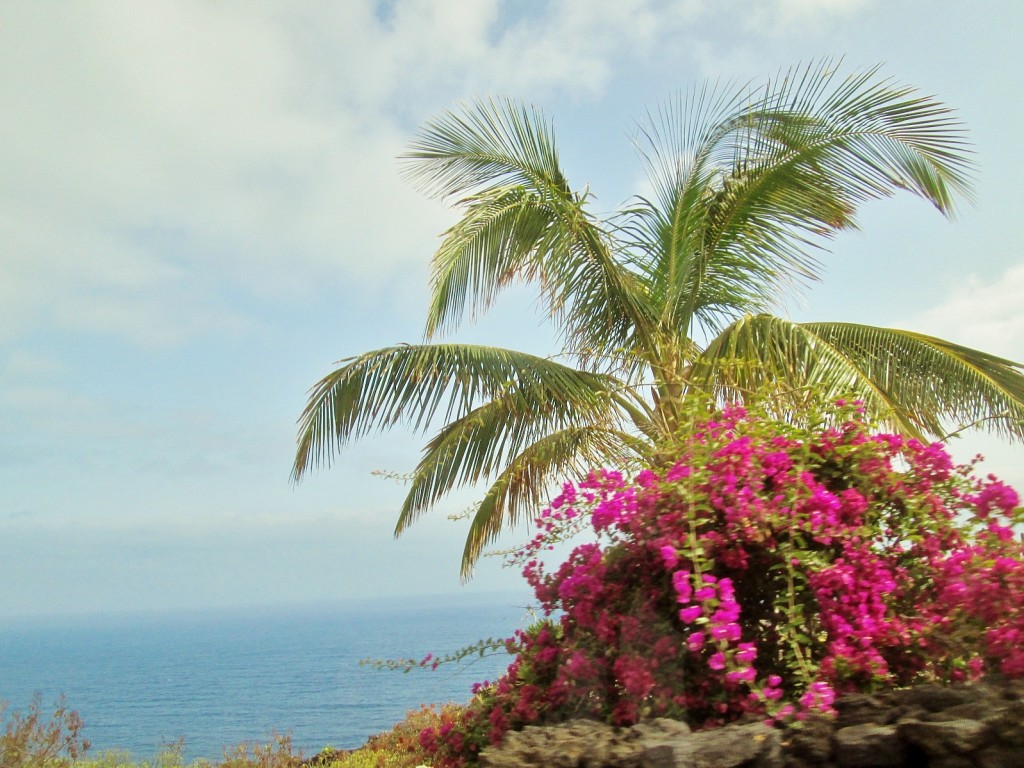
[668, 297]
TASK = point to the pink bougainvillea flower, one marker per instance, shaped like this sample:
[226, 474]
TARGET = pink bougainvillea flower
[647, 479]
[681, 584]
[907, 564]
[670, 558]
[691, 614]
[742, 675]
[705, 593]
[747, 653]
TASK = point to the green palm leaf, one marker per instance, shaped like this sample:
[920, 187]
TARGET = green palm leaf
[749, 185]
[521, 487]
[915, 383]
[413, 385]
[487, 439]
[494, 142]
[521, 221]
[794, 160]
[938, 384]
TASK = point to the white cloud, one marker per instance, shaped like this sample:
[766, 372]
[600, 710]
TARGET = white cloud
[984, 314]
[784, 17]
[29, 366]
[166, 152]
[755, 37]
[208, 177]
[192, 122]
[801, 9]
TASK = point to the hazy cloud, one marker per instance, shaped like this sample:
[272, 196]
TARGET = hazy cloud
[780, 17]
[176, 152]
[984, 314]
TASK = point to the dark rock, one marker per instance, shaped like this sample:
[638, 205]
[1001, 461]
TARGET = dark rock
[977, 726]
[574, 744]
[749, 746]
[997, 756]
[869, 746]
[662, 739]
[861, 708]
[1007, 722]
[935, 698]
[999, 687]
[906, 712]
[745, 746]
[661, 728]
[972, 710]
[958, 737]
[952, 761]
[810, 744]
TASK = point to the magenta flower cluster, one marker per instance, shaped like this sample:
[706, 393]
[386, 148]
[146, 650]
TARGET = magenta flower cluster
[766, 570]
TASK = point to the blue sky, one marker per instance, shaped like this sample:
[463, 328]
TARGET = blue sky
[200, 211]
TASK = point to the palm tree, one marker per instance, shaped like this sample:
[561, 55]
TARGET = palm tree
[666, 298]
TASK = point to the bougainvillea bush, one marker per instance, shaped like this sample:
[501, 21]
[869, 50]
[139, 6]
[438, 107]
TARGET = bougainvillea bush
[765, 570]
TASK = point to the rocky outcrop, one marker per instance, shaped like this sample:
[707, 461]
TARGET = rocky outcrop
[977, 726]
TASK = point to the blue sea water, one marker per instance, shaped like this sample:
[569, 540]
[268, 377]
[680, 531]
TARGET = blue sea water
[220, 678]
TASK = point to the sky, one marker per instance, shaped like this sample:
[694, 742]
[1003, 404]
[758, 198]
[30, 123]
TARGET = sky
[201, 211]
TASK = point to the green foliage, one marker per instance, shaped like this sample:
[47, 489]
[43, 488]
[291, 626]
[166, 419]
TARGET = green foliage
[276, 753]
[374, 758]
[364, 758]
[169, 756]
[110, 759]
[38, 739]
[113, 759]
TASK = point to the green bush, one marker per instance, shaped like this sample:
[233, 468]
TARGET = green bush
[169, 756]
[373, 758]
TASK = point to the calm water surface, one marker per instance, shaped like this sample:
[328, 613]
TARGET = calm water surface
[218, 679]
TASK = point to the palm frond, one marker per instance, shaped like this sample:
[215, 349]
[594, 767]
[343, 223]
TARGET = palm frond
[763, 355]
[784, 171]
[484, 441]
[678, 143]
[520, 221]
[522, 487]
[937, 383]
[413, 385]
[492, 142]
[497, 241]
[815, 145]
[917, 384]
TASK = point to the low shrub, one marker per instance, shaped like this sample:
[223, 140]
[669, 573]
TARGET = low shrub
[276, 753]
[373, 758]
[400, 747]
[35, 739]
[111, 759]
[761, 571]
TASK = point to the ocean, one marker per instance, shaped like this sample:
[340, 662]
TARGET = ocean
[220, 678]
